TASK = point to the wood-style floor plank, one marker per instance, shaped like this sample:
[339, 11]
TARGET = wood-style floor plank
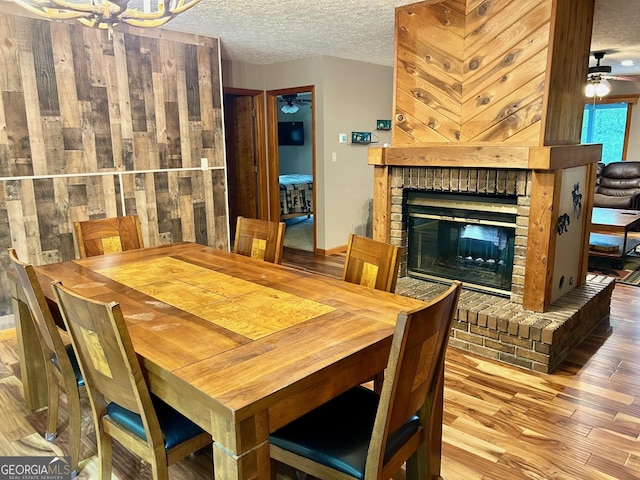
[500, 422]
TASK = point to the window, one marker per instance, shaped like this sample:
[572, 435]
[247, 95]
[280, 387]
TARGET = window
[607, 123]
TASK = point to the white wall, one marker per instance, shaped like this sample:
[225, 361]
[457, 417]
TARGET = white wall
[349, 96]
[242, 75]
[356, 94]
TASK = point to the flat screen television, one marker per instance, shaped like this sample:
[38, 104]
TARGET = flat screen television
[290, 133]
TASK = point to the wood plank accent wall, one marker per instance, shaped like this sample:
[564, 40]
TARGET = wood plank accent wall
[93, 128]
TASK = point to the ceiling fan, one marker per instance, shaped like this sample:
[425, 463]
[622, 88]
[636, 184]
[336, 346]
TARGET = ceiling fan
[291, 103]
[599, 75]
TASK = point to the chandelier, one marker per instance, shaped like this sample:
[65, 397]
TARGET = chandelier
[105, 13]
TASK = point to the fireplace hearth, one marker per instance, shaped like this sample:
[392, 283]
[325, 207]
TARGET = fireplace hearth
[470, 238]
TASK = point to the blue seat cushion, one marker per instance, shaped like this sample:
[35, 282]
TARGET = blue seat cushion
[74, 364]
[337, 434]
[175, 427]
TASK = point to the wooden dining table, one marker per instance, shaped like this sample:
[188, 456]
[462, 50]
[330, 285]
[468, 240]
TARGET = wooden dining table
[239, 346]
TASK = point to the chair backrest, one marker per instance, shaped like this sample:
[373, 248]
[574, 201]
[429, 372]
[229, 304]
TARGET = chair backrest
[259, 239]
[108, 235]
[107, 358]
[46, 328]
[411, 379]
[371, 263]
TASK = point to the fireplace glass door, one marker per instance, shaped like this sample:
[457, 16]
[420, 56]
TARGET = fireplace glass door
[477, 250]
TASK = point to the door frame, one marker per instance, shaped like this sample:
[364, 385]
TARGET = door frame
[260, 146]
[272, 140]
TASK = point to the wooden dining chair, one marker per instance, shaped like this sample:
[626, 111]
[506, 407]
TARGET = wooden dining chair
[123, 409]
[259, 239]
[371, 263]
[108, 235]
[365, 436]
[60, 361]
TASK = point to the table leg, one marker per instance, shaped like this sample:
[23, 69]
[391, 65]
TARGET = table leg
[34, 381]
[624, 248]
[241, 451]
[240, 447]
[253, 465]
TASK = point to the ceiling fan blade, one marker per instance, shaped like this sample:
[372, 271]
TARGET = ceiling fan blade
[624, 78]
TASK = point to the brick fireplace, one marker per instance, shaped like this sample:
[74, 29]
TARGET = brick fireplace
[490, 183]
[497, 326]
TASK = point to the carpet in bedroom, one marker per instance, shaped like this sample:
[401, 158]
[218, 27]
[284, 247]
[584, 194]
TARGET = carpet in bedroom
[299, 233]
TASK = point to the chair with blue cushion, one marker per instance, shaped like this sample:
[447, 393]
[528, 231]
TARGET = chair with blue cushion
[60, 362]
[363, 435]
[123, 408]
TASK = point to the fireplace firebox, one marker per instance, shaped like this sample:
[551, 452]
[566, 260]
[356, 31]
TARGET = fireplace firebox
[466, 237]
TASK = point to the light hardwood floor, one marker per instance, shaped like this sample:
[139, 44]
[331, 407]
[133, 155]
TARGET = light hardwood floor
[500, 422]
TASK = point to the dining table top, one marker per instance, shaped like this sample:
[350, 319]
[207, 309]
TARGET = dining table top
[226, 339]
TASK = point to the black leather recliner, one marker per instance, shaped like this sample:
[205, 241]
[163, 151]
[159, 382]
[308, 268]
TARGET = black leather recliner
[618, 186]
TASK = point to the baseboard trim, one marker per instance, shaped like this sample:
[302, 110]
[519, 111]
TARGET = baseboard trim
[332, 251]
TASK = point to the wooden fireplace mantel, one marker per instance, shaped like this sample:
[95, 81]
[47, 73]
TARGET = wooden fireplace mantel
[555, 157]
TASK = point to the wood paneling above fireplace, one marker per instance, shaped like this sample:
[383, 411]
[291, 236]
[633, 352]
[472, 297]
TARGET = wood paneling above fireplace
[503, 71]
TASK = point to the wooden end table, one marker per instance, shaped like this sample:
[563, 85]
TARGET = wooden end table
[609, 233]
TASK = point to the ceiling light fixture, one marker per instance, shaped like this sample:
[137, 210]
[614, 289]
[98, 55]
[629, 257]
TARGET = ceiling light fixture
[597, 87]
[106, 14]
[289, 108]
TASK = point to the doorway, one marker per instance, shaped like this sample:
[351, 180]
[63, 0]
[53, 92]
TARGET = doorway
[292, 163]
[247, 179]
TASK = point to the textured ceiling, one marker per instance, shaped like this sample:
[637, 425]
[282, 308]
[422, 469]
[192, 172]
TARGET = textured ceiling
[271, 31]
[615, 31]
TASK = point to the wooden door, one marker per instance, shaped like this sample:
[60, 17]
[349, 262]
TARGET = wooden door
[245, 141]
[242, 164]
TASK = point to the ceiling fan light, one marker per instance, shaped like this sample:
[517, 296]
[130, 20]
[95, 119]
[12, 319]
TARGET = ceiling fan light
[603, 88]
[590, 90]
[289, 108]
